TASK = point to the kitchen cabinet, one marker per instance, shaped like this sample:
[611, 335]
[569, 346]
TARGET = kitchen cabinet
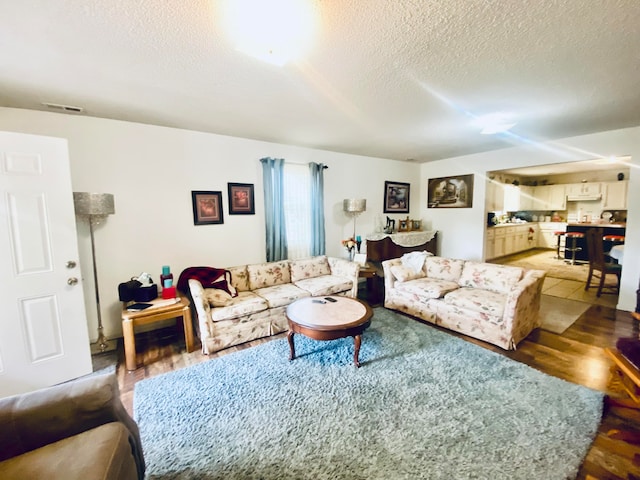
[495, 196]
[526, 198]
[585, 189]
[615, 195]
[508, 239]
[549, 197]
[546, 234]
[511, 198]
[499, 244]
[489, 243]
[557, 197]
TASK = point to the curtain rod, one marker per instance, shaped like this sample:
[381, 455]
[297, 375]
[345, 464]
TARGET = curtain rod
[324, 167]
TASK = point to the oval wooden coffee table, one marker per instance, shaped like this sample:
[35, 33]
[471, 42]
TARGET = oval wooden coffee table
[329, 318]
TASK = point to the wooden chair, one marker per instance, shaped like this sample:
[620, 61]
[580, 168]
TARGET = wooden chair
[598, 263]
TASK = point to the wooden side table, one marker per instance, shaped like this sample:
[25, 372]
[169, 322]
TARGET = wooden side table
[150, 315]
[369, 272]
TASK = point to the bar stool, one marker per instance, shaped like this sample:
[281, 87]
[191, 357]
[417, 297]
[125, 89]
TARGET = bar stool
[573, 236]
[559, 235]
[613, 238]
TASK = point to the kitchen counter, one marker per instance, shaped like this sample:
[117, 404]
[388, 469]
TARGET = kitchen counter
[598, 225]
[607, 229]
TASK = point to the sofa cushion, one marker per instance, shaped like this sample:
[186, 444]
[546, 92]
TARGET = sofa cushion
[442, 268]
[325, 285]
[280, 295]
[477, 300]
[216, 297]
[404, 274]
[309, 268]
[102, 453]
[240, 278]
[244, 304]
[487, 276]
[268, 274]
[427, 287]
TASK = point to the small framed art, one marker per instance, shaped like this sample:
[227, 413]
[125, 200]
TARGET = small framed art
[241, 199]
[396, 197]
[207, 207]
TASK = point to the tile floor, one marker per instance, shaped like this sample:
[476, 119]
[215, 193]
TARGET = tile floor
[561, 287]
[574, 290]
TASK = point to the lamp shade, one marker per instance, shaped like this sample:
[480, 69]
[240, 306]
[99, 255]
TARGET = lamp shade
[354, 205]
[93, 203]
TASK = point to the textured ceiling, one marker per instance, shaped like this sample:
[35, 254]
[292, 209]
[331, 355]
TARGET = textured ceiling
[398, 79]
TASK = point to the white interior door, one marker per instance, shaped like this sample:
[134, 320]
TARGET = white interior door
[43, 328]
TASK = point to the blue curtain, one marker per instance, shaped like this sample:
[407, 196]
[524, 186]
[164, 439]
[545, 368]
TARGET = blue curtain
[317, 208]
[273, 180]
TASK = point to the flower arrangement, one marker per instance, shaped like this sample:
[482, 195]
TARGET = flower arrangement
[349, 244]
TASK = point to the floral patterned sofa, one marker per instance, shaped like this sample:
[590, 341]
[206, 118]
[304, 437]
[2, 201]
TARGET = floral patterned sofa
[264, 291]
[495, 303]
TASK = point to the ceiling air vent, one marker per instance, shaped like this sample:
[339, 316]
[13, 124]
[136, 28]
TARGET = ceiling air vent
[64, 108]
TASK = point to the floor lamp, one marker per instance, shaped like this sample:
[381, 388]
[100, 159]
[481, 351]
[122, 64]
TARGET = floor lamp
[95, 207]
[354, 207]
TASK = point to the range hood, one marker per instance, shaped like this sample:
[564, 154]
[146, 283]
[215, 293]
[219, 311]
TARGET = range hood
[584, 198]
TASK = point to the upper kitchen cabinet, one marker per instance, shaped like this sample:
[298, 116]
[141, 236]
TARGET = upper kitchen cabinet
[614, 195]
[495, 196]
[517, 198]
[584, 191]
[526, 198]
[549, 197]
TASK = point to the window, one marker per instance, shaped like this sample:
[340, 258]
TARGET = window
[297, 209]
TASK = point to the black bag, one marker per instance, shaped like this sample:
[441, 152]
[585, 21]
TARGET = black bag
[127, 290]
[146, 293]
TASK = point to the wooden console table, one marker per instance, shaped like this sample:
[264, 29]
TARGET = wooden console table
[384, 246]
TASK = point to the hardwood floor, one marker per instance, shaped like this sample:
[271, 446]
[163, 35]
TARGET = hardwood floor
[576, 356]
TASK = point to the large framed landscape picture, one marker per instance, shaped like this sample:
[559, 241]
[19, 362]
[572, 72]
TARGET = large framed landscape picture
[450, 192]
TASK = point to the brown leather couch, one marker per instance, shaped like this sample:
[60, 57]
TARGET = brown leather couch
[77, 430]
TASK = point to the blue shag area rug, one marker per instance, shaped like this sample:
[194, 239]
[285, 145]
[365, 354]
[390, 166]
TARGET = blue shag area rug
[423, 405]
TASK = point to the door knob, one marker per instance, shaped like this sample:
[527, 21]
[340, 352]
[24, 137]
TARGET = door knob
[71, 264]
[72, 281]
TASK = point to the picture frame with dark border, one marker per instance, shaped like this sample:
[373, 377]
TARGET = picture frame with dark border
[450, 192]
[207, 207]
[241, 199]
[396, 197]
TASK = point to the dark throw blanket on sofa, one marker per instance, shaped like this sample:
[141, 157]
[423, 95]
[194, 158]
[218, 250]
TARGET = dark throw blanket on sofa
[209, 277]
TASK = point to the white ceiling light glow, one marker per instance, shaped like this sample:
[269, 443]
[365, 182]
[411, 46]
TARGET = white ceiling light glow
[274, 31]
[494, 123]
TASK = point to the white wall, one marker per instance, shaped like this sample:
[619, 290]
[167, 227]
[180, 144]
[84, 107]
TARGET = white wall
[151, 172]
[462, 229]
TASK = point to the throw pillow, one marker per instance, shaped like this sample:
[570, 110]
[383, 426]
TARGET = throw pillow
[223, 282]
[404, 274]
[217, 297]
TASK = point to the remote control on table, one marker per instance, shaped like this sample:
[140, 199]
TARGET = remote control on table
[329, 299]
[318, 301]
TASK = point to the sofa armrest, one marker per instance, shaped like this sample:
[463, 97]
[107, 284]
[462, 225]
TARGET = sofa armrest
[523, 303]
[203, 311]
[389, 277]
[345, 268]
[32, 420]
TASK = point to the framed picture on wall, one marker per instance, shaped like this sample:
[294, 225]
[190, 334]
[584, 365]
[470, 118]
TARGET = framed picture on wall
[207, 207]
[241, 199]
[396, 197]
[450, 192]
